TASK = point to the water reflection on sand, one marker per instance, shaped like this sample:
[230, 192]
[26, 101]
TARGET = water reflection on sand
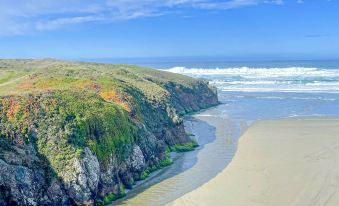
[217, 137]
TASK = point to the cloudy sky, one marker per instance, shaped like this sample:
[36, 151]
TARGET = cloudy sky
[152, 28]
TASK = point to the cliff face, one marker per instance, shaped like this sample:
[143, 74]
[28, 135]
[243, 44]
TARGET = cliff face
[78, 133]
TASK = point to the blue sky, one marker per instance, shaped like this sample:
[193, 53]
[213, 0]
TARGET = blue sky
[234, 29]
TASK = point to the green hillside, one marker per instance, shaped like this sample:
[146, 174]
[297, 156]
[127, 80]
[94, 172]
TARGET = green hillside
[91, 129]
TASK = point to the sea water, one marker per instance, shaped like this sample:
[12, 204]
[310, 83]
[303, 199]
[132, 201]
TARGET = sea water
[248, 91]
[268, 90]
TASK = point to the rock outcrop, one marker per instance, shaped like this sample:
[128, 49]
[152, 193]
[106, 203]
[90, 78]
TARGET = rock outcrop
[80, 133]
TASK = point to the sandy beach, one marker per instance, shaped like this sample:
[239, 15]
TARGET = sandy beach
[291, 161]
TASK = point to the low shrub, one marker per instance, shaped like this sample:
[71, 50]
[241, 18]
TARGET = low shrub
[184, 147]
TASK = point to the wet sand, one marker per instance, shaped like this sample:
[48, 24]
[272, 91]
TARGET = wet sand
[217, 137]
[292, 161]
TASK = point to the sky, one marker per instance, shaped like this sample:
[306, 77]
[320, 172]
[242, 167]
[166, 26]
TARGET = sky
[234, 29]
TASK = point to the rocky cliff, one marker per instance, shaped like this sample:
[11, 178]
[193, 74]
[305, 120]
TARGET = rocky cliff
[74, 133]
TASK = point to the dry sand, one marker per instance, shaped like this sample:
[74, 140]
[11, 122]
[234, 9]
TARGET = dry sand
[279, 162]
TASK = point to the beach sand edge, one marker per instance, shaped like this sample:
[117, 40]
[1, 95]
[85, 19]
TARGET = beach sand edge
[293, 161]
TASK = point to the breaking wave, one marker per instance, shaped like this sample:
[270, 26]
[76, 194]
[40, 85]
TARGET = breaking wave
[289, 79]
[258, 72]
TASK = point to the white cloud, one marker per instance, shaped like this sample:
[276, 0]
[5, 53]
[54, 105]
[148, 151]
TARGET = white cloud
[22, 16]
[60, 22]
[279, 2]
[226, 5]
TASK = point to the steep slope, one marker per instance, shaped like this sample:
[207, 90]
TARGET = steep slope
[79, 133]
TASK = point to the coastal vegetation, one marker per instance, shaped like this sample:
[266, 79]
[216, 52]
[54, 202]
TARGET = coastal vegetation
[80, 133]
[185, 147]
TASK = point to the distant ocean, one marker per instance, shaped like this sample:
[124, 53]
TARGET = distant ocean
[253, 90]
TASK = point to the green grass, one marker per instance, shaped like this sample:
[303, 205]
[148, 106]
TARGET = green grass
[68, 122]
[48, 74]
[6, 76]
[145, 174]
[166, 161]
[184, 147]
[111, 197]
[163, 163]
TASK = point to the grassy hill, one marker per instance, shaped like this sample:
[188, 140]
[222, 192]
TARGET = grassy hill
[79, 133]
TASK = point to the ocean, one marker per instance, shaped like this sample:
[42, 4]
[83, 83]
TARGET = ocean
[248, 91]
[269, 90]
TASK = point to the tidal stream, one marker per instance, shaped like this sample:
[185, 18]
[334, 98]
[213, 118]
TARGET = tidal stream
[217, 137]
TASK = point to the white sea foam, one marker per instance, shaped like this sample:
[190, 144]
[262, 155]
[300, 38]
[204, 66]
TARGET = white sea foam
[249, 72]
[289, 79]
[323, 84]
[260, 89]
[251, 82]
[296, 98]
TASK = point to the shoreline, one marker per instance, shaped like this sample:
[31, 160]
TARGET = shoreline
[288, 161]
[214, 135]
[166, 173]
